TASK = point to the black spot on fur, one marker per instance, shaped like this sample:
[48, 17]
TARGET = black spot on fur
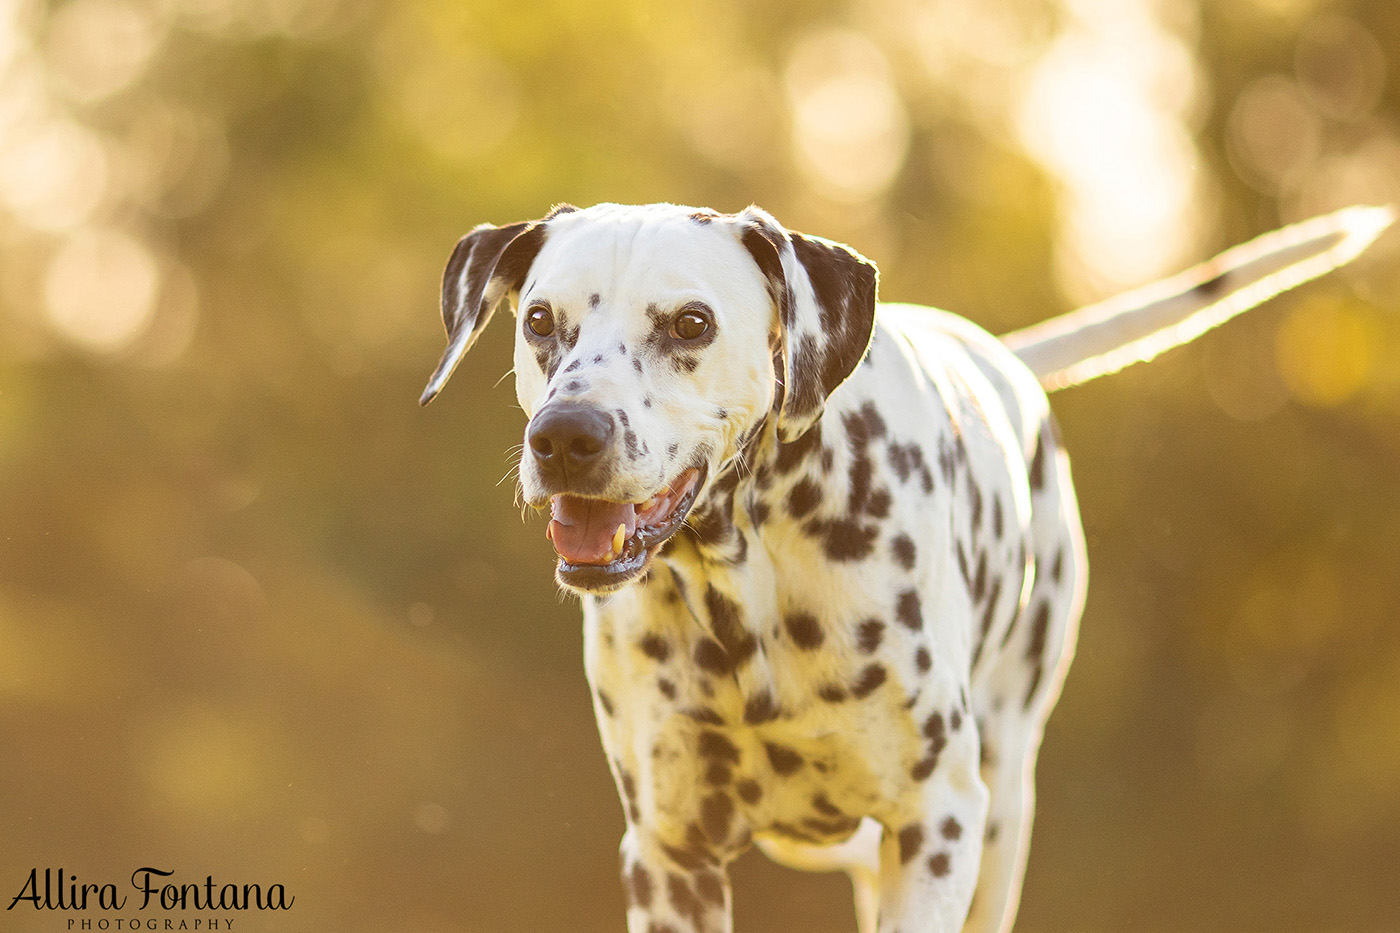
[715, 812]
[689, 859]
[758, 513]
[783, 759]
[845, 540]
[1037, 467]
[668, 689]
[911, 840]
[711, 657]
[955, 720]
[988, 616]
[939, 865]
[718, 773]
[975, 505]
[639, 886]
[998, 519]
[1057, 567]
[574, 366]
[710, 888]
[859, 485]
[868, 635]
[832, 693]
[760, 708]
[978, 588]
[951, 829]
[825, 807]
[749, 791]
[908, 611]
[716, 746]
[655, 647]
[684, 901]
[704, 714]
[637, 365]
[727, 623]
[791, 455]
[923, 660]
[629, 794]
[605, 701]
[803, 498]
[804, 629]
[869, 681]
[878, 505]
[904, 551]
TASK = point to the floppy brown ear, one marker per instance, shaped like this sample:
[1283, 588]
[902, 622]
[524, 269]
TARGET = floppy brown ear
[487, 265]
[825, 295]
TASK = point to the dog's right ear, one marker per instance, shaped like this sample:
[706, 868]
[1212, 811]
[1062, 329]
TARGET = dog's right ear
[488, 264]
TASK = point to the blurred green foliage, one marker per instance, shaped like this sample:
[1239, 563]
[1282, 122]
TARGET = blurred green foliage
[263, 618]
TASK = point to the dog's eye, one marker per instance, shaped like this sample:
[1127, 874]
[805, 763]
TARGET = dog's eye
[689, 325]
[540, 321]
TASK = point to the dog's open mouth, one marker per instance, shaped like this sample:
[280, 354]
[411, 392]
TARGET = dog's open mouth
[603, 544]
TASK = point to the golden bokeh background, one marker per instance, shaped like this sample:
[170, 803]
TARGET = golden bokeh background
[263, 618]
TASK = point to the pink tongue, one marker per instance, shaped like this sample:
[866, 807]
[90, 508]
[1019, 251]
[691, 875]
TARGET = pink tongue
[582, 529]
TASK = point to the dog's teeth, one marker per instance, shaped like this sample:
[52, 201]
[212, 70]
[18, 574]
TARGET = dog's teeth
[618, 537]
[648, 505]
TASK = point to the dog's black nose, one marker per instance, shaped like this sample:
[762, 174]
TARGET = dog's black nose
[569, 439]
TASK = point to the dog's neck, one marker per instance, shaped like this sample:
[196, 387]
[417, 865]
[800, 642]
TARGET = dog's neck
[720, 552]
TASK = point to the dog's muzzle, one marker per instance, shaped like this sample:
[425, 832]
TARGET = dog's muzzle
[602, 543]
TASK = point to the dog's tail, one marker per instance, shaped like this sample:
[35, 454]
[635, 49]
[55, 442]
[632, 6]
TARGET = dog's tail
[1136, 326]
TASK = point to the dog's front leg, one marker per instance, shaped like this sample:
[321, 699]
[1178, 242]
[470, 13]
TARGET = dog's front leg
[929, 861]
[670, 889]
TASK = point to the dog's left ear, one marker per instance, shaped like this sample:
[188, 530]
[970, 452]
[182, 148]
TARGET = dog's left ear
[825, 295]
[487, 265]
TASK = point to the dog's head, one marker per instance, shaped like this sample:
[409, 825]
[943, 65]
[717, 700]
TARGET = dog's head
[652, 343]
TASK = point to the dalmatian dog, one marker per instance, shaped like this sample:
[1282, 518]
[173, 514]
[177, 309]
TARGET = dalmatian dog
[828, 551]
